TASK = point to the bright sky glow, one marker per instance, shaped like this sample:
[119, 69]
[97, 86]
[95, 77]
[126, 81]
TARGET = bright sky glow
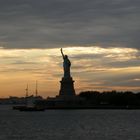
[93, 67]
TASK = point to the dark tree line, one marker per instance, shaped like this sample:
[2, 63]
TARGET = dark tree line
[111, 98]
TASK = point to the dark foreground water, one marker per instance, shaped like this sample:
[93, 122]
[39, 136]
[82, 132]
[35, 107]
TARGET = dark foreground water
[69, 125]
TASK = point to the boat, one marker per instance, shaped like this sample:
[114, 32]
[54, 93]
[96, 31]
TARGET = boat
[18, 107]
[29, 106]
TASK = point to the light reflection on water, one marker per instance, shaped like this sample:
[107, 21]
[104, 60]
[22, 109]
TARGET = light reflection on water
[69, 124]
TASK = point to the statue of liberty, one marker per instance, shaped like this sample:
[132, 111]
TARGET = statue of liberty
[66, 65]
[67, 83]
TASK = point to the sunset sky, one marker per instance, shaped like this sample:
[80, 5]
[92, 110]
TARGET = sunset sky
[101, 38]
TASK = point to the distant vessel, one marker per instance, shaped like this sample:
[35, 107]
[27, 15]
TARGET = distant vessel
[29, 106]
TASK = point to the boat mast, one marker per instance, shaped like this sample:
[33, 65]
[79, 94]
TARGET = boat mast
[26, 91]
[36, 91]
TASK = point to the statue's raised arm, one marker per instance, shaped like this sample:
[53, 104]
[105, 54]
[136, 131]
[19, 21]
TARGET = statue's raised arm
[62, 53]
[66, 64]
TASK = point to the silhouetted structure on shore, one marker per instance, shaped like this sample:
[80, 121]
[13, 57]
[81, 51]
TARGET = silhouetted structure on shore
[90, 99]
[112, 98]
[13, 100]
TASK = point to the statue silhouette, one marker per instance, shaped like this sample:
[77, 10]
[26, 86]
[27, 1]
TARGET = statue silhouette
[66, 65]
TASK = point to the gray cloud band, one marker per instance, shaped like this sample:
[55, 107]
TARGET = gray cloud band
[53, 23]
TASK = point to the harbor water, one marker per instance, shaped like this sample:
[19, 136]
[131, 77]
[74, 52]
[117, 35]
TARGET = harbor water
[69, 124]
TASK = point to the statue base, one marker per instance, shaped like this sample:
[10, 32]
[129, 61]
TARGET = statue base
[67, 87]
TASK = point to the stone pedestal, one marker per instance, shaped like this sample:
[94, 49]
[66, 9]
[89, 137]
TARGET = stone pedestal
[67, 87]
